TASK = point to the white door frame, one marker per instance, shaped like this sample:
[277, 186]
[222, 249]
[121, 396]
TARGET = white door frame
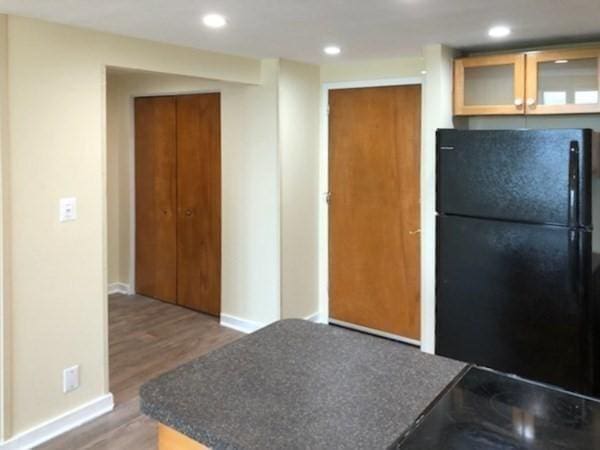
[324, 189]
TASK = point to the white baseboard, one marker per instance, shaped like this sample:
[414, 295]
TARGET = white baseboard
[59, 425]
[249, 326]
[239, 324]
[119, 288]
[316, 318]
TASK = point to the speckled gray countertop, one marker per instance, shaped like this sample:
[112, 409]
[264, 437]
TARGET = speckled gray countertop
[299, 385]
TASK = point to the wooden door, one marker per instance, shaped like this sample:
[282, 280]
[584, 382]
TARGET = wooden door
[374, 214]
[155, 187]
[199, 202]
[489, 85]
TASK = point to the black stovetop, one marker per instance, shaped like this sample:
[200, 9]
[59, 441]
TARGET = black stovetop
[488, 410]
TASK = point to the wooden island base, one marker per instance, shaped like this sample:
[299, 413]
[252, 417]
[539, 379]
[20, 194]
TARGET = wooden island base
[169, 439]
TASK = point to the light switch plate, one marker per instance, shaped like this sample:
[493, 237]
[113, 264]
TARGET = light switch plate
[67, 209]
[70, 379]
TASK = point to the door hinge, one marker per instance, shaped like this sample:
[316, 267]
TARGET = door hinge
[327, 197]
[328, 109]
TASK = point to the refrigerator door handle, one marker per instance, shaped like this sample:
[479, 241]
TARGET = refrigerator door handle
[574, 263]
[574, 183]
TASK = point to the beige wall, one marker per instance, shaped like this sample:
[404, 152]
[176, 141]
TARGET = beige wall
[251, 213]
[299, 101]
[250, 241]
[375, 69]
[117, 187]
[56, 149]
[5, 311]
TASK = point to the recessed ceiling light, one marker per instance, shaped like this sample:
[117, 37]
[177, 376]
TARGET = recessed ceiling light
[499, 31]
[423, 72]
[561, 61]
[332, 50]
[214, 20]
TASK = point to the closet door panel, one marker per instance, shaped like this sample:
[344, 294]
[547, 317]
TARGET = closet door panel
[155, 190]
[199, 202]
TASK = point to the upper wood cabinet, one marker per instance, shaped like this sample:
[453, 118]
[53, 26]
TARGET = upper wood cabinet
[489, 85]
[541, 82]
[563, 81]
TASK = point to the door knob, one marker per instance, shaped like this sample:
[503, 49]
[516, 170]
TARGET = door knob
[415, 232]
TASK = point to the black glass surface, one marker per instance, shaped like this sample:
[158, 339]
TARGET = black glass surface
[488, 410]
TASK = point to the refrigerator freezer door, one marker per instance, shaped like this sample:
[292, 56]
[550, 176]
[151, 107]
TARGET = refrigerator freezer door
[517, 175]
[509, 297]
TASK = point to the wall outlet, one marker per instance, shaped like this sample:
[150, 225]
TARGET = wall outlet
[70, 379]
[67, 209]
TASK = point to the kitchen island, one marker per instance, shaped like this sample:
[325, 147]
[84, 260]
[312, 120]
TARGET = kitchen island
[297, 384]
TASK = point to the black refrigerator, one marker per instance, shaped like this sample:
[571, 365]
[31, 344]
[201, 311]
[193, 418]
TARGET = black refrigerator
[513, 254]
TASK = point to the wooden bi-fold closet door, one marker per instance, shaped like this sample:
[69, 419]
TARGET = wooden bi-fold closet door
[199, 202]
[156, 197]
[178, 200]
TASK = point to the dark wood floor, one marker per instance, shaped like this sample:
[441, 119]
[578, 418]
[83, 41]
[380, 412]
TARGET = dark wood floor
[146, 338]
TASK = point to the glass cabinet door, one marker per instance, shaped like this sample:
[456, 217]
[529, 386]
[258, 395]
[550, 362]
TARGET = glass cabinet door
[488, 85]
[563, 81]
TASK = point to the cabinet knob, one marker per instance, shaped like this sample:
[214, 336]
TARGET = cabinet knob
[188, 212]
[518, 102]
[531, 102]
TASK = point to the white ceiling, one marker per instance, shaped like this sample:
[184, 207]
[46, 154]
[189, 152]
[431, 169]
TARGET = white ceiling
[298, 29]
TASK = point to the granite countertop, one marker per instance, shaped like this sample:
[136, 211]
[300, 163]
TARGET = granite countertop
[297, 384]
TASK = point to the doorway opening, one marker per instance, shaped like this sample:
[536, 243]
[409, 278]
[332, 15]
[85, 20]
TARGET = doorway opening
[372, 159]
[163, 226]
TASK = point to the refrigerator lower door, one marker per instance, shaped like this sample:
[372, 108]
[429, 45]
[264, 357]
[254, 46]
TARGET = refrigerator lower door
[511, 296]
